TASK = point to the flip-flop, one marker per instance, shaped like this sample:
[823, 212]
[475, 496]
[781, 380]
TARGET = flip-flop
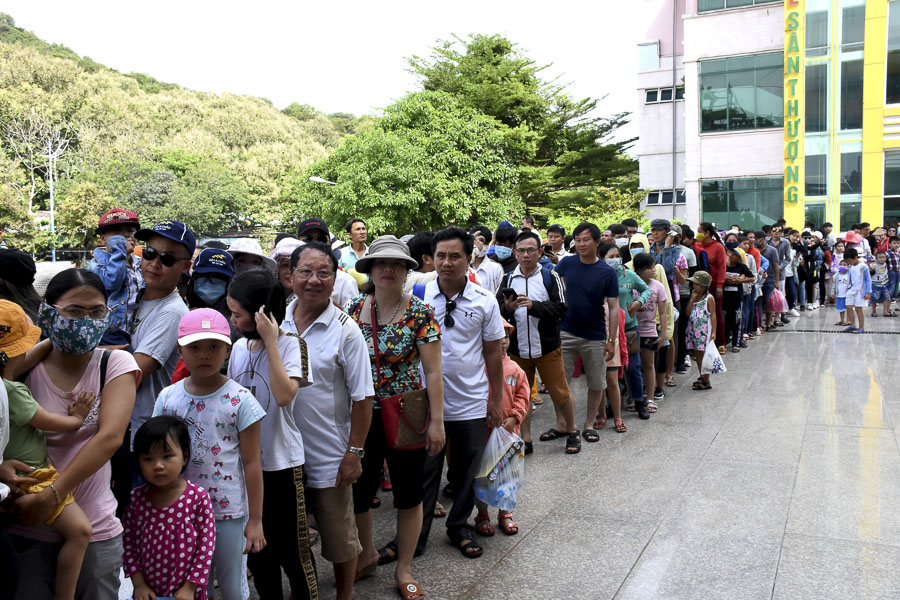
[410, 591]
[670, 381]
[387, 554]
[439, 511]
[551, 434]
[590, 435]
[467, 534]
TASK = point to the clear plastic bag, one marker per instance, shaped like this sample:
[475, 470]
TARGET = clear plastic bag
[502, 470]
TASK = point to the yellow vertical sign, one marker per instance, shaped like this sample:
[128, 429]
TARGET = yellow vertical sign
[794, 26]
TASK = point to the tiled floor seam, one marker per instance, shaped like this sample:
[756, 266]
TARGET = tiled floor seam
[787, 516]
[841, 539]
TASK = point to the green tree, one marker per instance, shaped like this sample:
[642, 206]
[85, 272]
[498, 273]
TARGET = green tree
[604, 208]
[78, 213]
[562, 144]
[301, 112]
[429, 162]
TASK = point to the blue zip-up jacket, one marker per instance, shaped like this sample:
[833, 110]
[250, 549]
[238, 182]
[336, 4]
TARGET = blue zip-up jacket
[666, 257]
[112, 267]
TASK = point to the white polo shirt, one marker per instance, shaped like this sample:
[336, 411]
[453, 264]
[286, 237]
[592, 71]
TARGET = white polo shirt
[491, 274]
[477, 320]
[342, 375]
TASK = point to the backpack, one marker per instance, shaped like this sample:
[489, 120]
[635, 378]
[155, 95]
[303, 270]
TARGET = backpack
[545, 276]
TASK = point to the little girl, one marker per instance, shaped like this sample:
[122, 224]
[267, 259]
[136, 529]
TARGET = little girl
[701, 323]
[652, 337]
[273, 366]
[841, 284]
[223, 420]
[516, 396]
[170, 530]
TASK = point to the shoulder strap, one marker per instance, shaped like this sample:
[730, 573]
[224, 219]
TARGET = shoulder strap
[304, 354]
[104, 363]
[375, 349]
[419, 291]
[548, 281]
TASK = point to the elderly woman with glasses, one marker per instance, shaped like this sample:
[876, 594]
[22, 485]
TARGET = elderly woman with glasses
[407, 334]
[74, 317]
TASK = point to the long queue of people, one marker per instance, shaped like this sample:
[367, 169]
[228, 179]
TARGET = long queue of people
[179, 412]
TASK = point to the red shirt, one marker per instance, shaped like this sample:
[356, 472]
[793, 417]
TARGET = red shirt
[756, 256]
[715, 253]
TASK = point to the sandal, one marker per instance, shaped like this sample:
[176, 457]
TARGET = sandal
[439, 511]
[600, 423]
[313, 535]
[464, 541]
[529, 448]
[890, 314]
[735, 349]
[573, 444]
[651, 406]
[721, 349]
[590, 435]
[376, 502]
[483, 526]
[551, 434]
[702, 385]
[388, 553]
[630, 407]
[365, 572]
[670, 381]
[620, 426]
[410, 591]
[506, 524]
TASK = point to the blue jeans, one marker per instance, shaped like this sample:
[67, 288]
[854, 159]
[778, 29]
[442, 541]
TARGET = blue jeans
[749, 303]
[635, 377]
[790, 291]
[893, 281]
[229, 564]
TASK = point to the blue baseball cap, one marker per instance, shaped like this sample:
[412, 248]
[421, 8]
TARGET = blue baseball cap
[174, 230]
[213, 260]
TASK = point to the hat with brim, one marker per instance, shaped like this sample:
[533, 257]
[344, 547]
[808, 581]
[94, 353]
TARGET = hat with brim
[386, 247]
[851, 237]
[285, 247]
[701, 278]
[173, 230]
[203, 324]
[17, 335]
[250, 246]
[117, 216]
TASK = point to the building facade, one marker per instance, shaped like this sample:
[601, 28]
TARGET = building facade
[791, 109]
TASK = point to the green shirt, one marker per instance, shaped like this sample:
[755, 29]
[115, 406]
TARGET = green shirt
[629, 282]
[25, 442]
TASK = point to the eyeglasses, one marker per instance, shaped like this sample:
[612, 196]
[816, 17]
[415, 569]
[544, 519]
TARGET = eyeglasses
[76, 312]
[449, 321]
[527, 250]
[305, 274]
[168, 259]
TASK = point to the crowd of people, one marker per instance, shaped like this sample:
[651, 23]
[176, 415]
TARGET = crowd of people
[190, 413]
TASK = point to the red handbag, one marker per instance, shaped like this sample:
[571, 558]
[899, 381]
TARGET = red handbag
[405, 416]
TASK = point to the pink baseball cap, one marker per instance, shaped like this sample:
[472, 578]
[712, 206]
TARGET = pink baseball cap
[203, 324]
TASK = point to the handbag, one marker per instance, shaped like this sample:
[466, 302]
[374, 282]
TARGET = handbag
[405, 416]
[634, 341]
[712, 363]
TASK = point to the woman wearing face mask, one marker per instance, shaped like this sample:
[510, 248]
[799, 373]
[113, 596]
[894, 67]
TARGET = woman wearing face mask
[709, 241]
[74, 316]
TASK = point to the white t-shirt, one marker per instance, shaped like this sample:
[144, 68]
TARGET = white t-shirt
[415, 277]
[345, 288]
[342, 374]
[477, 320]
[280, 442]
[214, 422]
[491, 274]
[156, 335]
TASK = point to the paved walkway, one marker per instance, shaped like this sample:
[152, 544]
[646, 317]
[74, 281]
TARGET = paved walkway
[781, 482]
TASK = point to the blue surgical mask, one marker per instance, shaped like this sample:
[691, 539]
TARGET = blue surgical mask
[636, 251]
[71, 336]
[614, 262]
[209, 289]
[502, 252]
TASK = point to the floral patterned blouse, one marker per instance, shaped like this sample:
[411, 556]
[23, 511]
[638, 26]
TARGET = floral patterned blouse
[398, 346]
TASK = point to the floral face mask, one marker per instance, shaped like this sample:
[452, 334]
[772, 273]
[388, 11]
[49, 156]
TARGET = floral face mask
[71, 336]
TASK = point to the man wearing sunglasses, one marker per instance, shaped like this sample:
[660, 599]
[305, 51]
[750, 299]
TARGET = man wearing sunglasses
[154, 335]
[472, 372]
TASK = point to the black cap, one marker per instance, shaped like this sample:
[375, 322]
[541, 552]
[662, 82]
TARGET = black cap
[308, 224]
[16, 267]
[659, 224]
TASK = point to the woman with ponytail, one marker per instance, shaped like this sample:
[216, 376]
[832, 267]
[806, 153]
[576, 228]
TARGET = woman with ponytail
[274, 366]
[708, 239]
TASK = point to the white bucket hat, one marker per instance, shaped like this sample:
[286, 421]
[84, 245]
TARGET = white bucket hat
[250, 246]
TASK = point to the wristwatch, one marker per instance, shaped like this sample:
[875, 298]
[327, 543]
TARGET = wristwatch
[357, 451]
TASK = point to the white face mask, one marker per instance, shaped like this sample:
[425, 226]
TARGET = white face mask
[614, 262]
[481, 253]
[621, 242]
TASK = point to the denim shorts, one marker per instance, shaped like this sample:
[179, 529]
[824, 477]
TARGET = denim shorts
[879, 294]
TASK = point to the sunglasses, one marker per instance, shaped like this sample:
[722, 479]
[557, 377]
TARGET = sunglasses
[168, 259]
[449, 321]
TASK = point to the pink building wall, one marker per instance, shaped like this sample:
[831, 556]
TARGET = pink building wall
[660, 27]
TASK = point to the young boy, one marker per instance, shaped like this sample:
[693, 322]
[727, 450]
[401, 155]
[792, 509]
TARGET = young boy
[27, 422]
[516, 396]
[841, 283]
[120, 270]
[859, 290]
[652, 337]
[893, 260]
[880, 278]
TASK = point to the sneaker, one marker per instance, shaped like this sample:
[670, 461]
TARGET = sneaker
[816, 306]
[681, 369]
[809, 307]
[659, 394]
[794, 312]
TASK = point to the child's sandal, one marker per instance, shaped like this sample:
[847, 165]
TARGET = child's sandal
[506, 524]
[483, 526]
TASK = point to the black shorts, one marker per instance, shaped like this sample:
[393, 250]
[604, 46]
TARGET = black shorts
[649, 343]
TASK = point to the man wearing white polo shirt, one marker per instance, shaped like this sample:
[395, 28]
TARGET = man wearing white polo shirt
[334, 413]
[472, 329]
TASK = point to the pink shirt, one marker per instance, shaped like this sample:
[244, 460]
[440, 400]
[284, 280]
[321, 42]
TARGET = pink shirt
[647, 315]
[93, 495]
[171, 544]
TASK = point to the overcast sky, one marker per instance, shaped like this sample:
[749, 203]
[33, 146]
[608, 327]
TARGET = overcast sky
[340, 56]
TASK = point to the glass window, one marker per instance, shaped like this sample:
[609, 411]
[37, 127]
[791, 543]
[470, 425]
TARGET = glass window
[817, 33]
[816, 98]
[744, 92]
[816, 175]
[652, 96]
[854, 28]
[851, 173]
[653, 198]
[851, 212]
[814, 212]
[710, 5]
[665, 95]
[749, 202]
[679, 93]
[891, 211]
[892, 95]
[680, 198]
[892, 172]
[667, 197]
[851, 94]
[705, 5]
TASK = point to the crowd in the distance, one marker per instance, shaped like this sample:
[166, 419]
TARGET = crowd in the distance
[191, 414]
